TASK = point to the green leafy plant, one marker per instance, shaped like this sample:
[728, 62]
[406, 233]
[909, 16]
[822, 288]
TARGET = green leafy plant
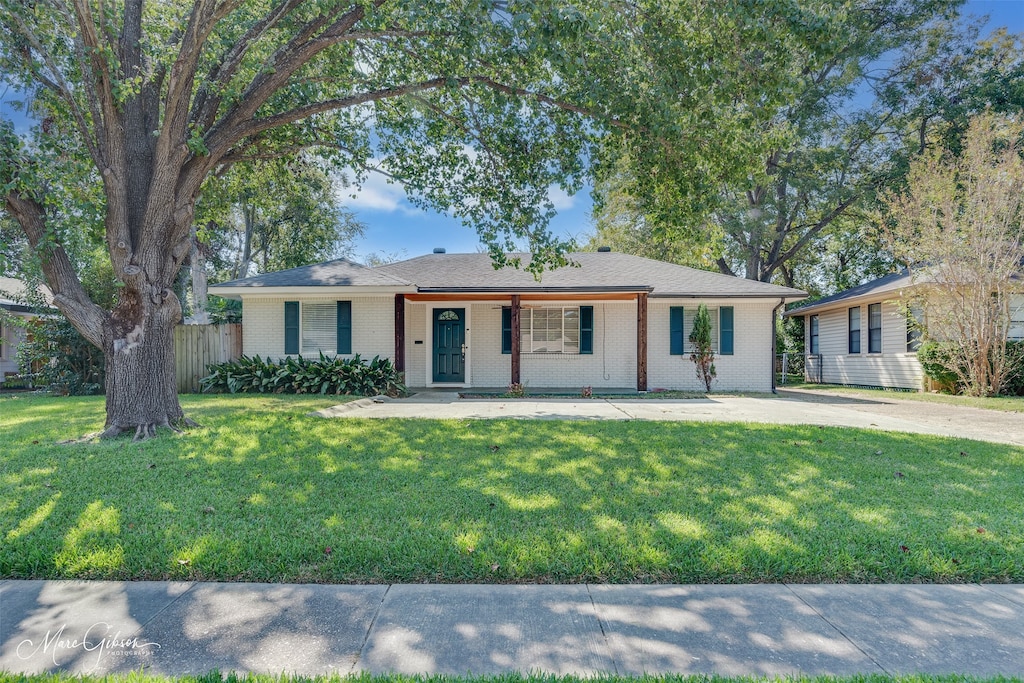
[516, 390]
[56, 357]
[703, 354]
[300, 375]
[937, 360]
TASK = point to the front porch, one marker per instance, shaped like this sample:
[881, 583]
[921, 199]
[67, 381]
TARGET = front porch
[552, 341]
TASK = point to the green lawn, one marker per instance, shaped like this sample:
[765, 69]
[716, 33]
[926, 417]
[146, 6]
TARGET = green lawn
[215, 677]
[1013, 404]
[265, 492]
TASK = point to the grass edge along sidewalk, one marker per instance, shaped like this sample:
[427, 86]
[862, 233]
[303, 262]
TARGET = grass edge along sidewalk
[264, 492]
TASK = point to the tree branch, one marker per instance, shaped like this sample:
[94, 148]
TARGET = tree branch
[68, 293]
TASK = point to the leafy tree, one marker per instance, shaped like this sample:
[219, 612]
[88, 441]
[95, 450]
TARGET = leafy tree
[960, 228]
[828, 155]
[478, 107]
[703, 354]
[261, 217]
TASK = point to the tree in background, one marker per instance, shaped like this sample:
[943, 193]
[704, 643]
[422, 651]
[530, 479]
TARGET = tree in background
[703, 353]
[960, 228]
[266, 216]
[803, 218]
[477, 107]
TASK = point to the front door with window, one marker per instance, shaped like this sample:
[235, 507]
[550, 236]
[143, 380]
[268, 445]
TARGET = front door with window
[449, 338]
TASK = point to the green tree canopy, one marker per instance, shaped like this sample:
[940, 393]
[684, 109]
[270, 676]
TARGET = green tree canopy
[477, 106]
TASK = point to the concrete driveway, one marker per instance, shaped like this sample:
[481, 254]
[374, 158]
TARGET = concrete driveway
[872, 410]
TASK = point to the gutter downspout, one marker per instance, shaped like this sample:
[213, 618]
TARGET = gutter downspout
[775, 318]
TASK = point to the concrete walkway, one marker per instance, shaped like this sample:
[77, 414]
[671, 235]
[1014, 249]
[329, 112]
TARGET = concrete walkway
[866, 411]
[768, 629]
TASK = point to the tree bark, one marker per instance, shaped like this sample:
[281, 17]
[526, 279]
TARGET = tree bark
[141, 389]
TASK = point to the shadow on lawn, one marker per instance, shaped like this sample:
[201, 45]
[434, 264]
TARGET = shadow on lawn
[272, 495]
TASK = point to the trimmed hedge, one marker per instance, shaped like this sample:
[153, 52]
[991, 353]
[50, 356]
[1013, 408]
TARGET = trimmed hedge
[352, 376]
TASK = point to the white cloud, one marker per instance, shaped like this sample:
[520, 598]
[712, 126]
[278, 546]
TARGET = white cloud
[377, 194]
[560, 199]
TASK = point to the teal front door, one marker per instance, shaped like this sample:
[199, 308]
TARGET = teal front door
[449, 337]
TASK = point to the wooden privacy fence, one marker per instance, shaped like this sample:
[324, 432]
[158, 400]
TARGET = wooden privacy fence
[197, 346]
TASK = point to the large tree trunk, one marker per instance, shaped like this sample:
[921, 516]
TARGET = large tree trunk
[141, 388]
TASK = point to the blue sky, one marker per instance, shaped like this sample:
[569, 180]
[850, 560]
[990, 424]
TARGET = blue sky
[395, 227]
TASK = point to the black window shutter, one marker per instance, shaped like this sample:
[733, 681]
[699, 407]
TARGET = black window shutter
[586, 329]
[291, 327]
[725, 330]
[344, 327]
[506, 329]
[677, 344]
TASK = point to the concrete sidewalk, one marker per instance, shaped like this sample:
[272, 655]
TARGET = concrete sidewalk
[766, 629]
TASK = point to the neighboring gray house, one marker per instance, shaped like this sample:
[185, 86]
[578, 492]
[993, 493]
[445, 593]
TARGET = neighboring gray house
[861, 336]
[615, 321]
[13, 304]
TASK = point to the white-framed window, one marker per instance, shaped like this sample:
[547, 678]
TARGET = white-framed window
[3, 342]
[319, 327]
[554, 329]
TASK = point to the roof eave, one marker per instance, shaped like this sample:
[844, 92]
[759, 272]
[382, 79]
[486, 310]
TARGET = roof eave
[876, 295]
[237, 292]
[534, 290]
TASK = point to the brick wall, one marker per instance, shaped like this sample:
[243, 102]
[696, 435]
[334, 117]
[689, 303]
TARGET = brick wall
[749, 368]
[373, 326]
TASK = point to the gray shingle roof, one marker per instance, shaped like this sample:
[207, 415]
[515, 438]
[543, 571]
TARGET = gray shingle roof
[608, 271]
[339, 273]
[893, 282]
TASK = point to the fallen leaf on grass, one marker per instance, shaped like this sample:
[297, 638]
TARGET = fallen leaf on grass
[904, 548]
[981, 529]
[495, 567]
[184, 562]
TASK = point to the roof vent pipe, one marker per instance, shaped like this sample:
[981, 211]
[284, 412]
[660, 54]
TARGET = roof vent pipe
[604, 250]
[438, 250]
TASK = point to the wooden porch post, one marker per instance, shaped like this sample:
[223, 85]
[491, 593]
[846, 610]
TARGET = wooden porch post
[400, 332]
[515, 340]
[641, 341]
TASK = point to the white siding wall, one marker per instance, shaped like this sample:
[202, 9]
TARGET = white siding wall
[893, 367]
[749, 368]
[373, 326]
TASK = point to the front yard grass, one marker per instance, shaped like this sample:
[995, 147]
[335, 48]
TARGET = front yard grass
[264, 492]
[1010, 404]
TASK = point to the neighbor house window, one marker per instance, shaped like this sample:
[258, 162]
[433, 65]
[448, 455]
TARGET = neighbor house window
[550, 330]
[915, 321]
[854, 341]
[311, 327]
[1016, 332]
[814, 335]
[875, 328]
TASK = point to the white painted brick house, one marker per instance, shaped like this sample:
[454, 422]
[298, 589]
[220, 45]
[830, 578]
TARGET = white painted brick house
[611, 321]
